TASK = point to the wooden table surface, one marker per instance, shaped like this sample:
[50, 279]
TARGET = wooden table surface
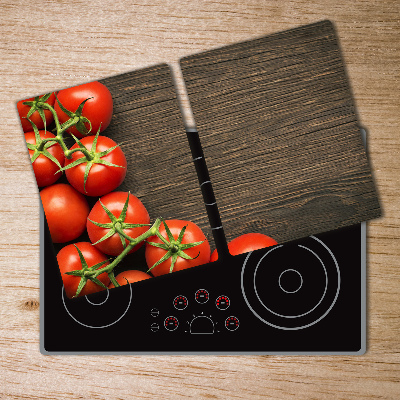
[55, 44]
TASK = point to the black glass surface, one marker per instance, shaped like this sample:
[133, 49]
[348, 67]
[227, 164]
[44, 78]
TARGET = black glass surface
[271, 302]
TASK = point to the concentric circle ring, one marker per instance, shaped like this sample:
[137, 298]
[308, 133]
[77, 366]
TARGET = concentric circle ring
[306, 325]
[100, 326]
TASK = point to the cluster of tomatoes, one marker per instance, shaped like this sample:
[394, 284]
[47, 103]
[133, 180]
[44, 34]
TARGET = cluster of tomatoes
[118, 223]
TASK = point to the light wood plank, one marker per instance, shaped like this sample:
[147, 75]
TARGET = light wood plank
[57, 44]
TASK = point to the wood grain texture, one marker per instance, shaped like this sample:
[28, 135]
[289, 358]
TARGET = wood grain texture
[148, 123]
[60, 44]
[279, 130]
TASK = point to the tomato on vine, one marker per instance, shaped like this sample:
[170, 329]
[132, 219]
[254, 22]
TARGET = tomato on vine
[83, 257]
[130, 276]
[115, 219]
[246, 243]
[86, 273]
[96, 166]
[96, 113]
[47, 157]
[179, 245]
[66, 212]
[34, 109]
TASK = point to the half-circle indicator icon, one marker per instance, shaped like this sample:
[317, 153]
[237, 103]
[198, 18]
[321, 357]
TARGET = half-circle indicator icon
[202, 325]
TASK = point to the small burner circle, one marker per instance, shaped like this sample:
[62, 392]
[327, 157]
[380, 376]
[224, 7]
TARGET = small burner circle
[98, 304]
[101, 325]
[290, 281]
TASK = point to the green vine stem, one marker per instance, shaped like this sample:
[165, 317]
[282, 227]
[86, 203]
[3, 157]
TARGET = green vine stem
[174, 248]
[92, 274]
[75, 119]
[90, 157]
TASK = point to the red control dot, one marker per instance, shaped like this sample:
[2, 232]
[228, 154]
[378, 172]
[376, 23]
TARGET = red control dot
[180, 302]
[231, 323]
[171, 323]
[202, 296]
[222, 302]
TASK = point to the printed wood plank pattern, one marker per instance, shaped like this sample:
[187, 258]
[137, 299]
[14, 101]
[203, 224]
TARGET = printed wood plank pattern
[147, 122]
[279, 131]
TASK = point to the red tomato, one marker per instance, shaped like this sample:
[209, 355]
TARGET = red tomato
[98, 110]
[35, 117]
[102, 179]
[246, 243]
[66, 212]
[130, 275]
[44, 168]
[200, 253]
[68, 260]
[136, 213]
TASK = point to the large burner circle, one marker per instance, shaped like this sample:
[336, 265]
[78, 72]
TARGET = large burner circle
[291, 286]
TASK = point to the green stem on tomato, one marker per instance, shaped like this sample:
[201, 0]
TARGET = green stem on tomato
[59, 136]
[57, 139]
[53, 111]
[47, 106]
[132, 243]
[121, 232]
[60, 129]
[63, 128]
[87, 153]
[113, 280]
[63, 146]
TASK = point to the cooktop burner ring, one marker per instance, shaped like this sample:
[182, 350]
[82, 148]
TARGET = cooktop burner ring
[324, 298]
[290, 292]
[91, 304]
[281, 276]
[102, 302]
